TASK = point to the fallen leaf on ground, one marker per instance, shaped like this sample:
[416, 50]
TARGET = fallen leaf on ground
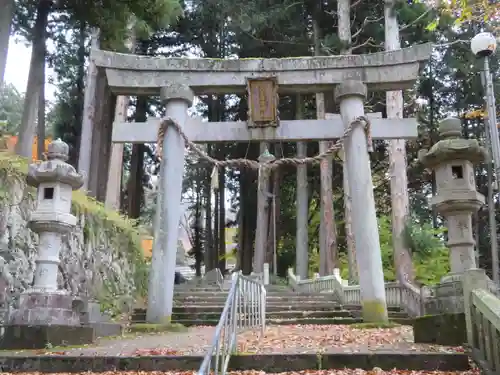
[375, 371]
[331, 338]
[157, 351]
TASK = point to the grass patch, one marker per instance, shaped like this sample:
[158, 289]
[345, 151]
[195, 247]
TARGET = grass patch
[156, 328]
[375, 325]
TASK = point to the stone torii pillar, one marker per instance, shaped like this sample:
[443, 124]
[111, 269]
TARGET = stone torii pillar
[177, 99]
[351, 95]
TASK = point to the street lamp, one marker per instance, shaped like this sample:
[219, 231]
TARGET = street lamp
[483, 45]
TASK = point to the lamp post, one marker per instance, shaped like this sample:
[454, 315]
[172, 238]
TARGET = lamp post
[483, 45]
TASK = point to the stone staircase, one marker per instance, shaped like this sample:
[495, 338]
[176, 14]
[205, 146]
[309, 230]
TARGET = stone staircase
[202, 306]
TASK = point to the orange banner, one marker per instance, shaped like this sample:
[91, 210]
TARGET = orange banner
[12, 141]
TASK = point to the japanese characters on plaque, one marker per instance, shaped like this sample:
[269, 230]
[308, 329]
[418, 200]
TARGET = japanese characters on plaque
[262, 102]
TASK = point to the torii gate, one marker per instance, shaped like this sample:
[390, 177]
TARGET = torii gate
[177, 80]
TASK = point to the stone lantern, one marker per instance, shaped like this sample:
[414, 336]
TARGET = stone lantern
[55, 181]
[452, 159]
[45, 313]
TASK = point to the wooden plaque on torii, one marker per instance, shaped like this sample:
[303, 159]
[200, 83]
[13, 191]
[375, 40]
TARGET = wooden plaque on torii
[263, 102]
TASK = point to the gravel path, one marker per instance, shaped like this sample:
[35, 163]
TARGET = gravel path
[333, 338]
[194, 341]
[289, 339]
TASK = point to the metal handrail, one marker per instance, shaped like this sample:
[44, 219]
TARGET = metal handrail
[245, 308]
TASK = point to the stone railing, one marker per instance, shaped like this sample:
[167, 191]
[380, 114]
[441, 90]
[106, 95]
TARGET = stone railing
[412, 299]
[482, 316]
[101, 259]
[352, 294]
[405, 296]
[317, 284]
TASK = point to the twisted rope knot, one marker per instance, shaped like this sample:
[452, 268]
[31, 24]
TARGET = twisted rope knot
[367, 126]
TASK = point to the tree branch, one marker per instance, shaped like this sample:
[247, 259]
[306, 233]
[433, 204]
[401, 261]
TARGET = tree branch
[416, 20]
[366, 21]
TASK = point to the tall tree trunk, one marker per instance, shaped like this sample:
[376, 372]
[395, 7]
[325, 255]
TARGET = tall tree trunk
[302, 205]
[101, 139]
[35, 77]
[345, 36]
[208, 220]
[216, 237]
[135, 190]
[274, 213]
[241, 239]
[247, 203]
[261, 231]
[198, 252]
[277, 181]
[222, 219]
[41, 118]
[114, 185]
[6, 16]
[328, 233]
[89, 116]
[80, 86]
[114, 177]
[397, 160]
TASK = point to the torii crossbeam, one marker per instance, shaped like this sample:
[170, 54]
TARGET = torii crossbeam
[237, 131]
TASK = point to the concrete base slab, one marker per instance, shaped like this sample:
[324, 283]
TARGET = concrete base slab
[271, 363]
[41, 337]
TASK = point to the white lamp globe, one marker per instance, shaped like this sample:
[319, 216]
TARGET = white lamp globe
[483, 44]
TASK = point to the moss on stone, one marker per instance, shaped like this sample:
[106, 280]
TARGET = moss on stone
[374, 311]
[153, 328]
[442, 329]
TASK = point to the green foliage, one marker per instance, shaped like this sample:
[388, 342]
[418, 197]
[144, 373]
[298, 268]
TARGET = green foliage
[112, 18]
[156, 328]
[11, 109]
[430, 256]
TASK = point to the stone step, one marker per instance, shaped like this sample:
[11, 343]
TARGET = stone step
[294, 321]
[271, 312]
[269, 308]
[215, 313]
[272, 306]
[358, 308]
[139, 315]
[297, 297]
[186, 288]
[392, 314]
[269, 315]
[268, 292]
[422, 362]
[268, 298]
